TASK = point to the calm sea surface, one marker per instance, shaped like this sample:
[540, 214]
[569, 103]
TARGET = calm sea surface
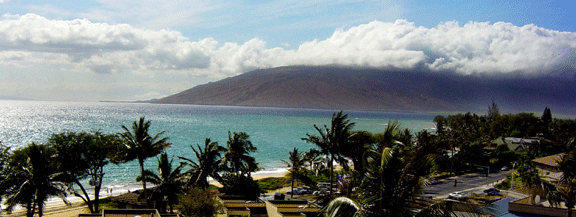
[274, 131]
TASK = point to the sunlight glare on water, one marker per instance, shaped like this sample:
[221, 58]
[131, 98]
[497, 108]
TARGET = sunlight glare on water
[274, 131]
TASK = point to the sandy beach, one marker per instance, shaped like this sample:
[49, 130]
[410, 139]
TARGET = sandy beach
[256, 177]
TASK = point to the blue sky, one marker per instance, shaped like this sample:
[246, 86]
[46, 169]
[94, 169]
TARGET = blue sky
[127, 50]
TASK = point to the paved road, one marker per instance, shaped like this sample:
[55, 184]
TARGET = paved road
[466, 183]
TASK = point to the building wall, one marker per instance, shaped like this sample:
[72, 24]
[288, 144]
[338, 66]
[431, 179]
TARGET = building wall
[537, 210]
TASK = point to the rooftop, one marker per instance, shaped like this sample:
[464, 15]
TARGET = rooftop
[551, 160]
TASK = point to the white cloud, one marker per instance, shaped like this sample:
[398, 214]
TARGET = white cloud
[104, 48]
[472, 48]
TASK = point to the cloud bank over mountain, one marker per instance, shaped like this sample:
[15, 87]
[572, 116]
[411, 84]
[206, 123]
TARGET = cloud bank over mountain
[472, 48]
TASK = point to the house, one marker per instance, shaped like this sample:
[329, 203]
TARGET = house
[548, 167]
[242, 206]
[235, 205]
[284, 208]
[129, 213]
[514, 143]
[548, 163]
[535, 207]
[129, 200]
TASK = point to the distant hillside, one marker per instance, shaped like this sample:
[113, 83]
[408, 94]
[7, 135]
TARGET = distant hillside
[375, 89]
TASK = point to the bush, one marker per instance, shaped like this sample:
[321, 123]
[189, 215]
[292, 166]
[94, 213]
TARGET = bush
[199, 202]
[273, 183]
[505, 185]
[240, 185]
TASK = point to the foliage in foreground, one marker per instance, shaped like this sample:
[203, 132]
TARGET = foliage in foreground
[240, 185]
[273, 183]
[32, 179]
[82, 156]
[199, 202]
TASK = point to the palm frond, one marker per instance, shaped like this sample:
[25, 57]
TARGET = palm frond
[343, 206]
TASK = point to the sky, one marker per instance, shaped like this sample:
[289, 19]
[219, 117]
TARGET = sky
[138, 50]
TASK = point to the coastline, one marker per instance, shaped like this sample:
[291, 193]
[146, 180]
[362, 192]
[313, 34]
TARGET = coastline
[56, 208]
[277, 172]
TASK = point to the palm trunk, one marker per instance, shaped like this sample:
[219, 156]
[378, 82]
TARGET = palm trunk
[292, 189]
[143, 183]
[40, 208]
[331, 173]
[30, 206]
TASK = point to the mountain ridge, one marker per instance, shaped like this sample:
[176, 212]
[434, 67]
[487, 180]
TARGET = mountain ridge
[396, 90]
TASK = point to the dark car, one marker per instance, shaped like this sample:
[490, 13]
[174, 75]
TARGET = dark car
[492, 191]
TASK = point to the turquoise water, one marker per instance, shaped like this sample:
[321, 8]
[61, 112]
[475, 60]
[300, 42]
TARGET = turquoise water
[274, 131]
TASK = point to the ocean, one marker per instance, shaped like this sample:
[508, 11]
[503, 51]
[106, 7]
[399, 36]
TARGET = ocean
[274, 131]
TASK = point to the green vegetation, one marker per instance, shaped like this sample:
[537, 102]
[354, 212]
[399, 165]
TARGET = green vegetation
[33, 179]
[394, 175]
[83, 156]
[332, 141]
[295, 168]
[169, 183]
[208, 164]
[273, 183]
[139, 145]
[199, 202]
[382, 174]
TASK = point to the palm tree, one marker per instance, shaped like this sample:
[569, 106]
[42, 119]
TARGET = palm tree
[565, 189]
[208, 164]
[138, 144]
[33, 180]
[168, 182]
[4, 172]
[390, 187]
[315, 160]
[295, 163]
[237, 157]
[332, 139]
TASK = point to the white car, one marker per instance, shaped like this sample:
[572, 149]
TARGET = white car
[317, 193]
[457, 195]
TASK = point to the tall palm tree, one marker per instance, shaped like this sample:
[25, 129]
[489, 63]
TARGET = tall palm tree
[391, 185]
[208, 164]
[331, 140]
[33, 180]
[295, 164]
[168, 182]
[565, 189]
[315, 160]
[138, 144]
[237, 159]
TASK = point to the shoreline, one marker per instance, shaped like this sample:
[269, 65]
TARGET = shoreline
[55, 207]
[257, 176]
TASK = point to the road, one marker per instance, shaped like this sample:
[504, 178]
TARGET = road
[465, 183]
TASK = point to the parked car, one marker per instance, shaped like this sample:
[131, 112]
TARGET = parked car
[457, 195]
[492, 191]
[317, 193]
[296, 192]
[505, 168]
[303, 190]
